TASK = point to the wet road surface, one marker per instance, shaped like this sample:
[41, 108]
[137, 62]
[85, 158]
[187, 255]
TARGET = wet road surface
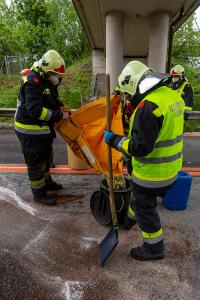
[10, 151]
[52, 252]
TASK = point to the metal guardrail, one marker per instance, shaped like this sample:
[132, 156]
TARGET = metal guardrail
[193, 115]
[10, 112]
[7, 112]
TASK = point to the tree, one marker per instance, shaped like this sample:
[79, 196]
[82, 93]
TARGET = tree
[9, 43]
[187, 42]
[67, 34]
[186, 52]
[48, 24]
[32, 30]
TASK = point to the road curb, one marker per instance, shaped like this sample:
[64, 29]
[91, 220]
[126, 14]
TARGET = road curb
[65, 169]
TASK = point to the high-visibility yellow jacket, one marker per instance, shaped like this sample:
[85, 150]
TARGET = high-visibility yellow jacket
[160, 167]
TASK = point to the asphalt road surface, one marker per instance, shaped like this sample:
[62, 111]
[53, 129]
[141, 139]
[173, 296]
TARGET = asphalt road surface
[10, 151]
[51, 253]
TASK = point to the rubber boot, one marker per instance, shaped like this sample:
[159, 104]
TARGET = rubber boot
[40, 196]
[149, 252]
[51, 185]
[128, 223]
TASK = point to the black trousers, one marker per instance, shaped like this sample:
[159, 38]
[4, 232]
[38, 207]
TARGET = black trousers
[37, 155]
[144, 204]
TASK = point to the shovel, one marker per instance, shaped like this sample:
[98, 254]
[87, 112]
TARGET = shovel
[110, 241]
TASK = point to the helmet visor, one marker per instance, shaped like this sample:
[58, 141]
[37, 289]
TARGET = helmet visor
[151, 80]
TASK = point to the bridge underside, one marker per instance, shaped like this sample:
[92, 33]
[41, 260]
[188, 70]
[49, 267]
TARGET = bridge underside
[119, 31]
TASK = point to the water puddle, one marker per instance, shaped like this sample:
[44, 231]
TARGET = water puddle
[35, 241]
[70, 290]
[87, 242]
[12, 198]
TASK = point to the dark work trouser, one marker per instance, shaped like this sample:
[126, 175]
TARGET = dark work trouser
[38, 157]
[144, 205]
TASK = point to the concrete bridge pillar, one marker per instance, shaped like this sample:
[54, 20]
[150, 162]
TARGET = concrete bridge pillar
[114, 46]
[158, 39]
[98, 61]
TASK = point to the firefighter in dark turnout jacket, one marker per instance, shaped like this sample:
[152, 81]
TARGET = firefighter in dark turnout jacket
[39, 107]
[154, 148]
[181, 85]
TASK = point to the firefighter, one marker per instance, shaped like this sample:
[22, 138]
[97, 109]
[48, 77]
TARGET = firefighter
[182, 86]
[38, 108]
[24, 73]
[154, 149]
[127, 108]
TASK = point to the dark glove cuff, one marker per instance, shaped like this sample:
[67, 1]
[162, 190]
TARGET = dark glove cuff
[56, 116]
[115, 141]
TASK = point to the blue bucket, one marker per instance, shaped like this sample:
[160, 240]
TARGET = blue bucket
[177, 197]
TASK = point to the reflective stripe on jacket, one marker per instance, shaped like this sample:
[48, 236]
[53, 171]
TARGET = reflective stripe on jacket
[38, 105]
[160, 167]
[32, 129]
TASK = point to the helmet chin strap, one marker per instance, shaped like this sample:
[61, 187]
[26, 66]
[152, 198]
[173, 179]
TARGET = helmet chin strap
[54, 79]
[176, 79]
[137, 98]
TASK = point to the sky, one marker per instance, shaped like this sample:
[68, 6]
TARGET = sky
[198, 16]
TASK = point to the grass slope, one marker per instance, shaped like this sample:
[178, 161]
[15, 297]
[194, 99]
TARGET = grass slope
[76, 86]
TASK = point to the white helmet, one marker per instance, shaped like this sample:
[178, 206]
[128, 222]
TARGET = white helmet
[52, 61]
[178, 70]
[131, 75]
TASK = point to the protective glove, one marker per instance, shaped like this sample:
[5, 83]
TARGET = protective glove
[108, 137]
[113, 139]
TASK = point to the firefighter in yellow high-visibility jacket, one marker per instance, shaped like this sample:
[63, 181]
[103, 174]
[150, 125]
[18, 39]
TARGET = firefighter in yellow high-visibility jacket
[154, 149]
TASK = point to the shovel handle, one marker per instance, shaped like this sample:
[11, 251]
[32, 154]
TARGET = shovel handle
[108, 119]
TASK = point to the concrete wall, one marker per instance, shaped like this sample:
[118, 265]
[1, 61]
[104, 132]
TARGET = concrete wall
[114, 45]
[127, 60]
[98, 62]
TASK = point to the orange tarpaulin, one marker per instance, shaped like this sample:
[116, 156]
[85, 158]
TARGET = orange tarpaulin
[84, 133]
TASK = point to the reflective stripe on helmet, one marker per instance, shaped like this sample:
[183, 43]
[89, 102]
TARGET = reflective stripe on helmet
[52, 61]
[61, 69]
[129, 78]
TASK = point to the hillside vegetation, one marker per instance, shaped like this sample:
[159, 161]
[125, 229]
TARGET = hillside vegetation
[28, 28]
[76, 88]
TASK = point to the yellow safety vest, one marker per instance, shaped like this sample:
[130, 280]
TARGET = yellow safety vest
[160, 167]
